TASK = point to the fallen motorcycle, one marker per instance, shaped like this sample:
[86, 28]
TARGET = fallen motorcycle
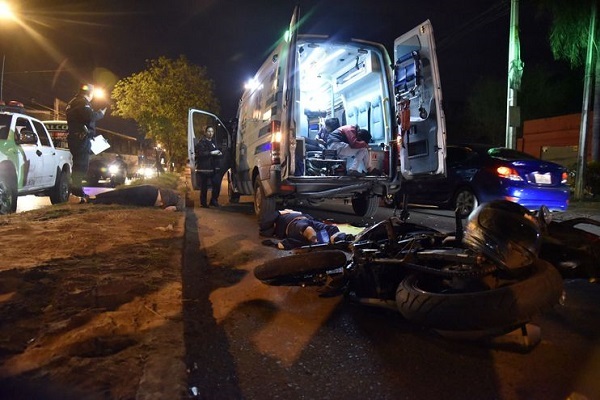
[486, 278]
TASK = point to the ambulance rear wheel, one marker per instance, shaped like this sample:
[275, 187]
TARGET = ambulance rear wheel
[365, 205]
[263, 205]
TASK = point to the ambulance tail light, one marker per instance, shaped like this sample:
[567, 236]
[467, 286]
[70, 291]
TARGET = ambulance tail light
[276, 142]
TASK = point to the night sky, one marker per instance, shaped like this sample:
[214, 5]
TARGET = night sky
[70, 41]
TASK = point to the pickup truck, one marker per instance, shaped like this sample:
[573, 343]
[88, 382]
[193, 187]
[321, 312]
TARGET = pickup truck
[29, 162]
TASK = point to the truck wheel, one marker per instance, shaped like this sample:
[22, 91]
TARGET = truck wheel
[263, 205]
[60, 193]
[8, 192]
[365, 205]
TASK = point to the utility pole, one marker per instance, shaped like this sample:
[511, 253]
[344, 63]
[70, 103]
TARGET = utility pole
[56, 108]
[585, 108]
[515, 72]
[2, 79]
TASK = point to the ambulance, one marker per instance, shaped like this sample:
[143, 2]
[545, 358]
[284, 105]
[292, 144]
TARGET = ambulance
[307, 79]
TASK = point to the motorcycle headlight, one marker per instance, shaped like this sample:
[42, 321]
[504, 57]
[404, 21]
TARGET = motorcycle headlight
[113, 169]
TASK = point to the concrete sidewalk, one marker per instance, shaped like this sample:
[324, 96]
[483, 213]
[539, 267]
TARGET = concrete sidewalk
[590, 209]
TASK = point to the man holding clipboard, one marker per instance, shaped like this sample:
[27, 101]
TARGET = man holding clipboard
[81, 118]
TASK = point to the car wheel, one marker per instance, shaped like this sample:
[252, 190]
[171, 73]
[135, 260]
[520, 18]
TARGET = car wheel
[8, 192]
[465, 201]
[61, 191]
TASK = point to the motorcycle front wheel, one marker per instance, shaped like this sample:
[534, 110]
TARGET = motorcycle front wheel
[299, 269]
[422, 299]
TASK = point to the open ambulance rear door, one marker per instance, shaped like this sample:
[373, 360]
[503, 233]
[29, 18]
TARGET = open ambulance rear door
[418, 92]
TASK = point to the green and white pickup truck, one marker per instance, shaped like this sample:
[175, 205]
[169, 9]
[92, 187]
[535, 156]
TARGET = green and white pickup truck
[29, 162]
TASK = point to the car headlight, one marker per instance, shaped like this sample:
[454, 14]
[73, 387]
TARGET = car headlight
[146, 172]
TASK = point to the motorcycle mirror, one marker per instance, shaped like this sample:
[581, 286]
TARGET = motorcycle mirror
[544, 215]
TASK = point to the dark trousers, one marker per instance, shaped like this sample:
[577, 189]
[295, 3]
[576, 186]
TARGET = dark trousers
[80, 150]
[215, 181]
[142, 195]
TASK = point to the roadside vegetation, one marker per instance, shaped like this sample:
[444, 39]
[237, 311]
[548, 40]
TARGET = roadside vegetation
[159, 97]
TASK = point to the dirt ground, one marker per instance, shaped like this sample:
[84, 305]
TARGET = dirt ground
[90, 303]
[91, 307]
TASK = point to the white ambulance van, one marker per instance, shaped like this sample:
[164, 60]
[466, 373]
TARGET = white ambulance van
[310, 78]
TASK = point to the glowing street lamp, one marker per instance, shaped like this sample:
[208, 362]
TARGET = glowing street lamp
[99, 93]
[6, 12]
[252, 84]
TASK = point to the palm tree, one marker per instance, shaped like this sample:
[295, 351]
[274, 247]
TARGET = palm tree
[574, 38]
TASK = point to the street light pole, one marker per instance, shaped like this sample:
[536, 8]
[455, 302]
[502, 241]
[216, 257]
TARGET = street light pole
[2, 79]
[6, 13]
[515, 72]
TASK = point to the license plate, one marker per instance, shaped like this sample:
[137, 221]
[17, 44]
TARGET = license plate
[542, 179]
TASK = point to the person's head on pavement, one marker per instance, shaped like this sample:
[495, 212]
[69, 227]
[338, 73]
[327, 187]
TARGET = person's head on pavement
[170, 200]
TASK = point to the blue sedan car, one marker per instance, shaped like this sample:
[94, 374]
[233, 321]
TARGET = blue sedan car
[480, 173]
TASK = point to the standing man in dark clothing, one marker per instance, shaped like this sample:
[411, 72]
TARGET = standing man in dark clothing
[207, 155]
[81, 119]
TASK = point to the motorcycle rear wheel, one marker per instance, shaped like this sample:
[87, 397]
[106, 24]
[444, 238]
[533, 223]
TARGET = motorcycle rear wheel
[299, 269]
[492, 310]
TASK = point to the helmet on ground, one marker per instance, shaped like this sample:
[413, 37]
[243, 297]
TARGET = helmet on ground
[505, 232]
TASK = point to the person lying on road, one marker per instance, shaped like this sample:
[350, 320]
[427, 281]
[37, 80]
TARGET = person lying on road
[140, 195]
[295, 229]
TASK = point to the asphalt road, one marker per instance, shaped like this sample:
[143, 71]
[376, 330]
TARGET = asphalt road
[248, 340]
[32, 202]
[267, 342]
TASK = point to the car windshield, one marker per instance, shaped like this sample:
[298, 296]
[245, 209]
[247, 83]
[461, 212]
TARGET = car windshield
[508, 154]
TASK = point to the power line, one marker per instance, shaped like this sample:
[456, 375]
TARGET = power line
[41, 71]
[495, 12]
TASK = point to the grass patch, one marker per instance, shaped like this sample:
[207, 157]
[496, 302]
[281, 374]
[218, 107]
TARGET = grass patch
[166, 180]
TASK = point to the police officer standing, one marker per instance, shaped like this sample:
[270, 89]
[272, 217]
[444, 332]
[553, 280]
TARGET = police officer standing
[81, 118]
